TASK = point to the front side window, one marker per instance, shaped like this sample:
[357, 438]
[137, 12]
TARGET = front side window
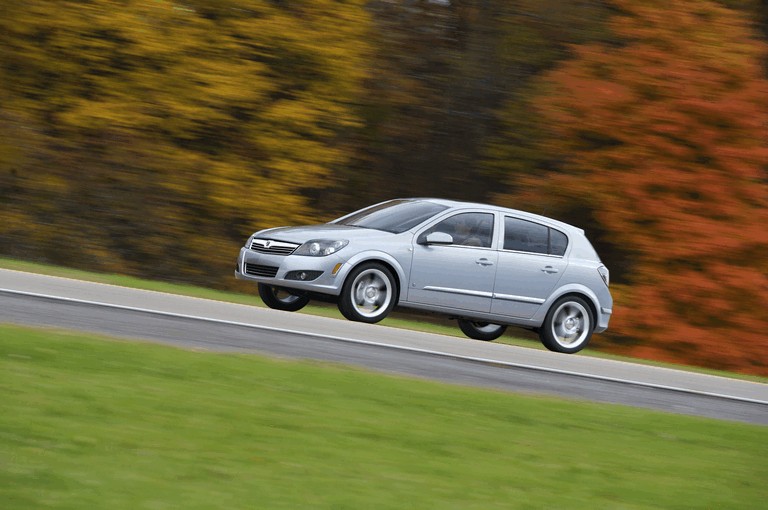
[527, 236]
[467, 229]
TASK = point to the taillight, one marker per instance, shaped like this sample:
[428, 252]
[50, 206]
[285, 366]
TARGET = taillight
[605, 275]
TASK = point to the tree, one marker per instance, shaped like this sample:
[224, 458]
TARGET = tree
[659, 143]
[439, 73]
[160, 134]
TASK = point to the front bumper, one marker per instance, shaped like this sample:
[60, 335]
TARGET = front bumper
[259, 267]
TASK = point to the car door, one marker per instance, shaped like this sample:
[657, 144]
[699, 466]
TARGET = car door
[458, 272]
[531, 263]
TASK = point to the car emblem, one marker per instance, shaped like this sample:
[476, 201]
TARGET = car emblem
[267, 244]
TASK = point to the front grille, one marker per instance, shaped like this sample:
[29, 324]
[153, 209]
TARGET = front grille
[259, 270]
[273, 247]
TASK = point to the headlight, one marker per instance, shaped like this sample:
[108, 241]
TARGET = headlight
[320, 247]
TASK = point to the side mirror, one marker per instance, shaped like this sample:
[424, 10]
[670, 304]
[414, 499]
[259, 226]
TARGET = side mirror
[438, 238]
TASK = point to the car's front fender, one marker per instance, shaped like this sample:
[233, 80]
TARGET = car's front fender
[375, 256]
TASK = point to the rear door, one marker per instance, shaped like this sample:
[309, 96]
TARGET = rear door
[531, 263]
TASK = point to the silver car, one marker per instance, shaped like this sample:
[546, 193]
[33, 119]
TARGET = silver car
[487, 266]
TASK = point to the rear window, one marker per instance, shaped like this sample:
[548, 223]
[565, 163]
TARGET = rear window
[395, 216]
[527, 236]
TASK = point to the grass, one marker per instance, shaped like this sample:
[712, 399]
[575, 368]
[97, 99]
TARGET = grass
[87, 422]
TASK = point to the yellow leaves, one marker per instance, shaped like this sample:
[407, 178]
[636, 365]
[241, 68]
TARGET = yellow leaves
[110, 113]
[265, 195]
[11, 155]
[202, 120]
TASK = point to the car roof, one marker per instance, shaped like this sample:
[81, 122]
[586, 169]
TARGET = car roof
[458, 204]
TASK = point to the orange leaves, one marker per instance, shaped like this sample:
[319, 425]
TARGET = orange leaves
[664, 138]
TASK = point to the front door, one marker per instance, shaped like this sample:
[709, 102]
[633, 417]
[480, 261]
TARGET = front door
[459, 275]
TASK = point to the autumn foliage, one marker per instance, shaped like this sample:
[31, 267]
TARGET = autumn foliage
[663, 140]
[148, 137]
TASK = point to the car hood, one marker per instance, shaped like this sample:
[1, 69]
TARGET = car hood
[323, 231]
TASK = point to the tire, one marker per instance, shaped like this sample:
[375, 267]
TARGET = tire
[369, 293]
[279, 298]
[568, 325]
[481, 330]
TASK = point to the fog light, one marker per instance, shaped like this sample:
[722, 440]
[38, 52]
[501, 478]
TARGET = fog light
[304, 276]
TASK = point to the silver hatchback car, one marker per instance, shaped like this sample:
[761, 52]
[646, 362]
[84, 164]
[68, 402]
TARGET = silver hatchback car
[487, 266]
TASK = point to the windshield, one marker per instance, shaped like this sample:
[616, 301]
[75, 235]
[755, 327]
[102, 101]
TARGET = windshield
[395, 216]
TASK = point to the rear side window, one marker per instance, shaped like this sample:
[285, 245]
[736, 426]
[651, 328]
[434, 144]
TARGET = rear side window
[527, 236]
[558, 242]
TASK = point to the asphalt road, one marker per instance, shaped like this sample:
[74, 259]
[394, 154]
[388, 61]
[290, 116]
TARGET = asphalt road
[211, 325]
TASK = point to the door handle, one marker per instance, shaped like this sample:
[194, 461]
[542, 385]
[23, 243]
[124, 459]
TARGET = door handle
[483, 262]
[549, 269]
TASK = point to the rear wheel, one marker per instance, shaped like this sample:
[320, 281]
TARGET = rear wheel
[568, 325]
[481, 330]
[288, 300]
[368, 294]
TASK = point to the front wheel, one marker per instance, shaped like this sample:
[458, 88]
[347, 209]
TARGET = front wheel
[368, 294]
[568, 325]
[282, 299]
[481, 330]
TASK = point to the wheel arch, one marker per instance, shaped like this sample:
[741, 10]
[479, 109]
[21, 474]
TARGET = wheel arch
[584, 296]
[385, 260]
[575, 291]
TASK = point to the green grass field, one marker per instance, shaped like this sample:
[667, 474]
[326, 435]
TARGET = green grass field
[89, 422]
